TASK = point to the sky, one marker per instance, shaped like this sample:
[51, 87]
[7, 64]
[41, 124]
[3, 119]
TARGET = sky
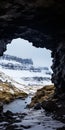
[23, 49]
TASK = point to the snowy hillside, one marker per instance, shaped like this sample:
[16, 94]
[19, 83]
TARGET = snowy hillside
[23, 74]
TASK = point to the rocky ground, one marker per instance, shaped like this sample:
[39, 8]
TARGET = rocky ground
[47, 99]
[9, 92]
[8, 121]
[44, 99]
[42, 95]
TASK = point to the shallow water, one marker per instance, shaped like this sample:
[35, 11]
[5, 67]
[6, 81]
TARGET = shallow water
[17, 105]
[34, 120]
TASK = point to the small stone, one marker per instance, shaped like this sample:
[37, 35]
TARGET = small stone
[8, 113]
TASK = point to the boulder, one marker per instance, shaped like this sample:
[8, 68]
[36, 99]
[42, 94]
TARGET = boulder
[37, 106]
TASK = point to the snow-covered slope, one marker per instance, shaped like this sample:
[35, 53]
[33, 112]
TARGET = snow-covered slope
[23, 74]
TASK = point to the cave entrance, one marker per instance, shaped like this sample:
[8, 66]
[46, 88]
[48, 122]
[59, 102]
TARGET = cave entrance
[23, 49]
[27, 64]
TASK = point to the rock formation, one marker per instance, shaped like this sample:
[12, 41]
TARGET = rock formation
[58, 76]
[41, 22]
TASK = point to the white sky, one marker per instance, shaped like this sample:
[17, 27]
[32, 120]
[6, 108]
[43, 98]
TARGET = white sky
[24, 49]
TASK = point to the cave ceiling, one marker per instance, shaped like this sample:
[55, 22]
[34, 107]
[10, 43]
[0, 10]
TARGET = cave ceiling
[41, 22]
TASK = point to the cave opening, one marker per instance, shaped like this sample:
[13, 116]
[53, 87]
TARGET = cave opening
[27, 64]
[23, 49]
[26, 67]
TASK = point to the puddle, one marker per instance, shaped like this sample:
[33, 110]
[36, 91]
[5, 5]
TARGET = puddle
[18, 105]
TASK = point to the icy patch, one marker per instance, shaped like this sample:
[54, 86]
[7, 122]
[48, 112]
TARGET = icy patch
[11, 91]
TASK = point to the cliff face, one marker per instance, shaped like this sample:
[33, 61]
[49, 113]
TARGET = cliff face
[41, 22]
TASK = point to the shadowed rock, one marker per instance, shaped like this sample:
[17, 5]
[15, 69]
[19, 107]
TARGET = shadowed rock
[42, 22]
[1, 107]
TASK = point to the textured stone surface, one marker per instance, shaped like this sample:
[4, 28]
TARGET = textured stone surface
[42, 95]
[58, 67]
[41, 22]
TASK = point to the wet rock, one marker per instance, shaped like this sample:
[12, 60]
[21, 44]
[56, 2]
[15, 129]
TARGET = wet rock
[8, 114]
[1, 107]
[63, 128]
[9, 117]
[50, 106]
[9, 121]
[11, 127]
[37, 106]
[26, 127]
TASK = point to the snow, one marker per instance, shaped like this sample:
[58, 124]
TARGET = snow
[18, 74]
[11, 91]
[10, 61]
[17, 78]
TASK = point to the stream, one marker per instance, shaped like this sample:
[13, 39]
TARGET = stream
[18, 105]
[30, 119]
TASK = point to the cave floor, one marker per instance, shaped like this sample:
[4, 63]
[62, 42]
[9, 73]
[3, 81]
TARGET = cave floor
[19, 118]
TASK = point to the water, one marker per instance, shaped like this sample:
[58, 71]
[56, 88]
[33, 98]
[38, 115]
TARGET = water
[34, 119]
[17, 105]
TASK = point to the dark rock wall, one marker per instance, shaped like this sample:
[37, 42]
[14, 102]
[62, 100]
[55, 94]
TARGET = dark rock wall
[41, 22]
[58, 67]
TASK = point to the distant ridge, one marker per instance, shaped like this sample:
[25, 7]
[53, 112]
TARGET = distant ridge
[24, 72]
[16, 63]
[17, 59]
